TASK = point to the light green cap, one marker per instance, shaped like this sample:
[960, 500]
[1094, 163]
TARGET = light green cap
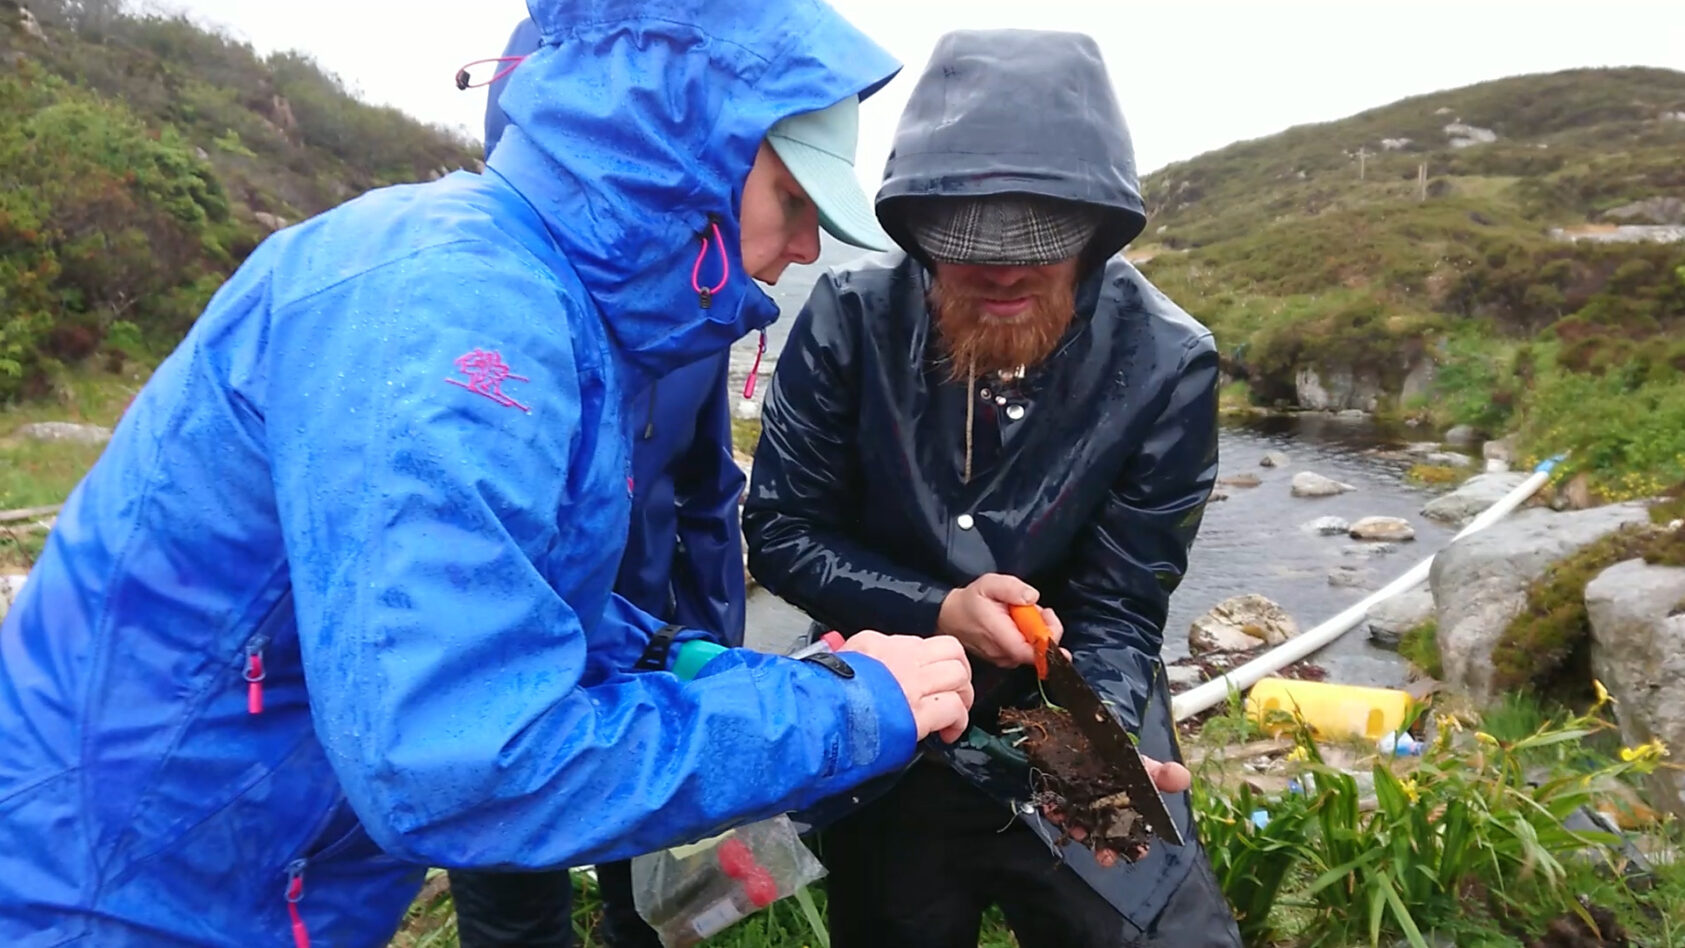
[818, 148]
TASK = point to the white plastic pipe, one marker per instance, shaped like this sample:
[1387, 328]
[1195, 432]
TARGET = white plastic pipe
[1194, 700]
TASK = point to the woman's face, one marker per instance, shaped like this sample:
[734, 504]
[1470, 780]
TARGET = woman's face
[779, 225]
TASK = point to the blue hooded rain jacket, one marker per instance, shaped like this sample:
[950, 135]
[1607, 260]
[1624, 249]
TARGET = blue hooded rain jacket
[684, 552]
[335, 603]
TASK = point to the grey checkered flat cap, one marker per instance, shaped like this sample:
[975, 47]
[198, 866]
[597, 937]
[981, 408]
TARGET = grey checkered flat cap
[1003, 230]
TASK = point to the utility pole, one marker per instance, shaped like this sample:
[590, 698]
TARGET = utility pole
[1362, 153]
[1422, 182]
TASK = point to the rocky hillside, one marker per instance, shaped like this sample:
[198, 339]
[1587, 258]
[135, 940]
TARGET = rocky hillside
[1509, 255]
[142, 158]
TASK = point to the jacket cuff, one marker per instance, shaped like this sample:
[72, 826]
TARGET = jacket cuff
[881, 736]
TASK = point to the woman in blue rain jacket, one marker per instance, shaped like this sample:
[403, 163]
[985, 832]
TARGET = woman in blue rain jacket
[335, 604]
[684, 553]
[683, 563]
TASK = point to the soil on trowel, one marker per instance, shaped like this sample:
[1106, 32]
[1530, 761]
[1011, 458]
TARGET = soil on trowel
[1075, 790]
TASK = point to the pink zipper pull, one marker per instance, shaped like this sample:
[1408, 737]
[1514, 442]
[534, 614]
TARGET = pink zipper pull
[755, 371]
[254, 679]
[295, 892]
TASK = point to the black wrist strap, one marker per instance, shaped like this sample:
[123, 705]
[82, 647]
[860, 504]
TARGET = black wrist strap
[825, 658]
[659, 648]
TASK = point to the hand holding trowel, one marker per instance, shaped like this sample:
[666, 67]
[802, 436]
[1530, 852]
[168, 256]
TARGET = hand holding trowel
[1090, 780]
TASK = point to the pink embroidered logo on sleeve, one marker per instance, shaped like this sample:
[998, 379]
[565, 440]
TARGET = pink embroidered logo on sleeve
[486, 373]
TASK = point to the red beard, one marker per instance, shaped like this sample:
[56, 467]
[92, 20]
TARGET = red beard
[977, 343]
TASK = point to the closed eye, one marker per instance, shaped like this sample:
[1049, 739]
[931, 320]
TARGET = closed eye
[795, 202]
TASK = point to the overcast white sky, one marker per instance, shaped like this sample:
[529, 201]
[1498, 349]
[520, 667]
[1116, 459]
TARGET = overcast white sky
[1192, 75]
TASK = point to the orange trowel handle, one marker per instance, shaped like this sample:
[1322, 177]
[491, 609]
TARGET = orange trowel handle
[1035, 631]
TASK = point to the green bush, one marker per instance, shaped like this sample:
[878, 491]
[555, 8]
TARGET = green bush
[101, 219]
[135, 151]
[1625, 426]
[392, 146]
[1470, 372]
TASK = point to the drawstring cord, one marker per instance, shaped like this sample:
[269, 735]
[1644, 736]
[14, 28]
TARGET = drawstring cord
[755, 370]
[463, 82]
[970, 416]
[705, 294]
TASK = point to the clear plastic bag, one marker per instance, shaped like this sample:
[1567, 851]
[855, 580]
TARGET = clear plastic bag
[690, 893]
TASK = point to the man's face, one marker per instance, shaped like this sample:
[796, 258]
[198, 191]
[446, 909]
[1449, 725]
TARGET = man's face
[994, 318]
[779, 222]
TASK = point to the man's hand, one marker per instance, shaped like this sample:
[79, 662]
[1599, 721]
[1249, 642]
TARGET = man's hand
[1168, 776]
[933, 673]
[977, 616]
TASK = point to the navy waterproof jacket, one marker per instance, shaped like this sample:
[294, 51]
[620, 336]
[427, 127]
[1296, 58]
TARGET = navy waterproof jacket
[382, 486]
[684, 554]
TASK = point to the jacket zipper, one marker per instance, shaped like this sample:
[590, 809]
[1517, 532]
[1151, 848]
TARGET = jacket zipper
[295, 893]
[253, 672]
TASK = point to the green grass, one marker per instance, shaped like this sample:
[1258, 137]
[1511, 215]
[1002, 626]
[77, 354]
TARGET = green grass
[745, 434]
[1496, 187]
[39, 473]
[1420, 646]
[1229, 724]
[1234, 397]
[1514, 716]
[1437, 475]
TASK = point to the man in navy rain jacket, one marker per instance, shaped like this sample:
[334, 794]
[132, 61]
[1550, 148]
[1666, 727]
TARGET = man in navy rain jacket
[683, 563]
[1006, 411]
[336, 602]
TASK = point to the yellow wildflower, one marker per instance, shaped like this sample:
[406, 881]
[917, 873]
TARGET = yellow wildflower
[1298, 754]
[1646, 753]
[1602, 694]
[1411, 790]
[1485, 738]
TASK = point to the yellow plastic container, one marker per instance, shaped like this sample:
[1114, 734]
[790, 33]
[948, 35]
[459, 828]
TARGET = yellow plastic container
[1332, 711]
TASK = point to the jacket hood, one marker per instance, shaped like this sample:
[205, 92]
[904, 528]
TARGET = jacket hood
[1015, 111]
[631, 129]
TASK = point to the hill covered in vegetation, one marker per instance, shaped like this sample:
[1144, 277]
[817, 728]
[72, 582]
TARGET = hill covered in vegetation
[1509, 255]
[142, 158]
